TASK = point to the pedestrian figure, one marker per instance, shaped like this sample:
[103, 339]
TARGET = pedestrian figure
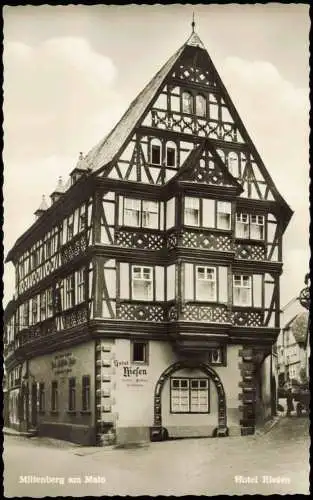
[288, 388]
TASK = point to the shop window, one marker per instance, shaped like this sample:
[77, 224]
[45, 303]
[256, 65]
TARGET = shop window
[242, 290]
[72, 394]
[142, 283]
[192, 211]
[140, 352]
[206, 283]
[223, 214]
[187, 103]
[200, 105]
[41, 397]
[54, 396]
[86, 393]
[189, 395]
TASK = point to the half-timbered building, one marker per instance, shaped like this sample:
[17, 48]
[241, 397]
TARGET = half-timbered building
[147, 293]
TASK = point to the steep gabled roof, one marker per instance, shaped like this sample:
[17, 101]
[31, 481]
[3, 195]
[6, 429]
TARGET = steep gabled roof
[106, 149]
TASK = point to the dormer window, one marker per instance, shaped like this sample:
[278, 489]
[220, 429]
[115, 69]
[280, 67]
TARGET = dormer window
[200, 105]
[171, 154]
[187, 103]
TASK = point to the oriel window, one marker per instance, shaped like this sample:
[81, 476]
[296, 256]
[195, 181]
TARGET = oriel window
[242, 290]
[150, 214]
[132, 211]
[206, 283]
[192, 211]
[223, 214]
[142, 283]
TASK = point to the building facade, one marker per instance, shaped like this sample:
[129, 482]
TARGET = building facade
[147, 294]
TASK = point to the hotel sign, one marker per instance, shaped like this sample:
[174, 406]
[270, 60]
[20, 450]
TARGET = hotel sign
[134, 374]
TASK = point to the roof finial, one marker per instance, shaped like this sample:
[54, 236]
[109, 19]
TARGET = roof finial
[193, 24]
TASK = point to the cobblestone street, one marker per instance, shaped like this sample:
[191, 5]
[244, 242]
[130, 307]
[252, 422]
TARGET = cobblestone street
[194, 466]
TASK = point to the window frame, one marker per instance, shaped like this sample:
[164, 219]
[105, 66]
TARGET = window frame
[86, 393]
[249, 223]
[72, 394]
[197, 279]
[192, 208]
[189, 390]
[151, 280]
[69, 291]
[244, 288]
[145, 344]
[140, 211]
[153, 147]
[54, 396]
[190, 110]
[204, 115]
[220, 203]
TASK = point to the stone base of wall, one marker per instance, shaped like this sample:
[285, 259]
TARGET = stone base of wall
[79, 434]
[125, 435]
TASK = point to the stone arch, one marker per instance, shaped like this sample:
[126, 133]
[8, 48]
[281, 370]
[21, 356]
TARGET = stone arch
[221, 429]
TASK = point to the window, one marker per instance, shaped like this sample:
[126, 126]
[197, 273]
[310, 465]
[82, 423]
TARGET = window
[242, 290]
[86, 393]
[250, 226]
[26, 314]
[139, 352]
[206, 283]
[216, 356]
[189, 395]
[69, 292]
[155, 154]
[200, 105]
[223, 214]
[41, 396]
[72, 394]
[82, 219]
[70, 227]
[257, 227]
[34, 310]
[54, 396]
[43, 306]
[80, 280]
[49, 303]
[171, 155]
[150, 214]
[242, 225]
[187, 103]
[132, 212]
[139, 213]
[192, 211]
[48, 248]
[142, 283]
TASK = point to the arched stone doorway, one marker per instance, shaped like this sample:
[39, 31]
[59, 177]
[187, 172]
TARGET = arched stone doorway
[157, 431]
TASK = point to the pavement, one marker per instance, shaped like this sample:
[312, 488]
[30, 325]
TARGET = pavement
[275, 462]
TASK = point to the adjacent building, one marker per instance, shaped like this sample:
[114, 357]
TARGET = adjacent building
[147, 293]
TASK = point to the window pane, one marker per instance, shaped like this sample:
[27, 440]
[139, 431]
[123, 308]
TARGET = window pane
[200, 105]
[155, 155]
[170, 157]
[187, 103]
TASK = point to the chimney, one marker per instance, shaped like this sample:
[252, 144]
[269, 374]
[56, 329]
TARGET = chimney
[57, 193]
[42, 208]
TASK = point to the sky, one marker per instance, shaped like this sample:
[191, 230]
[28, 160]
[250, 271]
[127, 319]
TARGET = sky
[70, 72]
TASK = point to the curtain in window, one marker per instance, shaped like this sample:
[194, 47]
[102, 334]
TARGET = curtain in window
[242, 226]
[150, 214]
[223, 215]
[257, 227]
[132, 212]
[192, 211]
